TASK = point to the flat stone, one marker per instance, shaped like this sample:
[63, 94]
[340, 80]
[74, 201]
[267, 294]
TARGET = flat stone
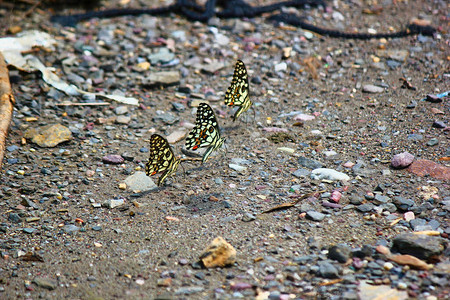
[164, 78]
[48, 136]
[419, 245]
[140, 182]
[309, 163]
[315, 215]
[329, 174]
[328, 270]
[423, 167]
[340, 253]
[373, 89]
[45, 283]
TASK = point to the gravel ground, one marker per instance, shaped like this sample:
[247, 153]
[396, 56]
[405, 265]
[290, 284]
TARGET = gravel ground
[70, 229]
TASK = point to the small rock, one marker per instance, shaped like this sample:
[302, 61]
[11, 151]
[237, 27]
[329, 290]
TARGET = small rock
[123, 119]
[301, 173]
[329, 174]
[433, 142]
[419, 245]
[281, 67]
[423, 167]
[328, 270]
[45, 283]
[111, 203]
[340, 253]
[369, 88]
[248, 217]
[402, 160]
[164, 78]
[218, 254]
[70, 229]
[176, 136]
[121, 110]
[368, 291]
[140, 182]
[309, 163]
[366, 207]
[49, 135]
[439, 124]
[237, 168]
[304, 117]
[315, 215]
[113, 159]
[162, 56]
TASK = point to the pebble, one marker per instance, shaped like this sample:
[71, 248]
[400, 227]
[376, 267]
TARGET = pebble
[237, 168]
[369, 88]
[121, 110]
[139, 182]
[315, 216]
[113, 159]
[340, 253]
[309, 163]
[419, 245]
[163, 78]
[328, 270]
[49, 135]
[248, 217]
[328, 174]
[402, 160]
[301, 173]
[70, 229]
[366, 207]
[45, 283]
[304, 117]
[112, 203]
[439, 124]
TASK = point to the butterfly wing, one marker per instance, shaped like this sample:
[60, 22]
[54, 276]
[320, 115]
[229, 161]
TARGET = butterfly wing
[206, 130]
[237, 93]
[161, 156]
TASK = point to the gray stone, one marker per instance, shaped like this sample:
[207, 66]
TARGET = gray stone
[309, 163]
[69, 229]
[380, 199]
[340, 253]
[366, 207]
[301, 173]
[45, 283]
[139, 181]
[315, 215]
[419, 245]
[328, 270]
[402, 160]
[403, 203]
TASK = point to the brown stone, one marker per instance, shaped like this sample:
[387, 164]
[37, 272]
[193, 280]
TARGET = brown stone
[423, 167]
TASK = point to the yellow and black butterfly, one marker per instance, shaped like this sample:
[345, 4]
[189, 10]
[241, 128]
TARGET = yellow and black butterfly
[206, 132]
[238, 93]
[161, 158]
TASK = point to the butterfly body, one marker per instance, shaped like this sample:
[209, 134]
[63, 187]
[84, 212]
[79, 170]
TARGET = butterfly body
[237, 93]
[206, 132]
[161, 158]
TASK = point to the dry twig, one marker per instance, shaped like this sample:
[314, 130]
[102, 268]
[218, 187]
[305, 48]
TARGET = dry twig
[6, 106]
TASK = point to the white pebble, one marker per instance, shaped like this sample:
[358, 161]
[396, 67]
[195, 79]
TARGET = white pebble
[330, 174]
[387, 266]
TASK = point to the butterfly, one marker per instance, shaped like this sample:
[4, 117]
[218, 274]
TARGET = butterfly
[206, 132]
[237, 93]
[161, 158]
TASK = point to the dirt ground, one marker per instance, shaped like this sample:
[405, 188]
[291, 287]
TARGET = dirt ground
[125, 252]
